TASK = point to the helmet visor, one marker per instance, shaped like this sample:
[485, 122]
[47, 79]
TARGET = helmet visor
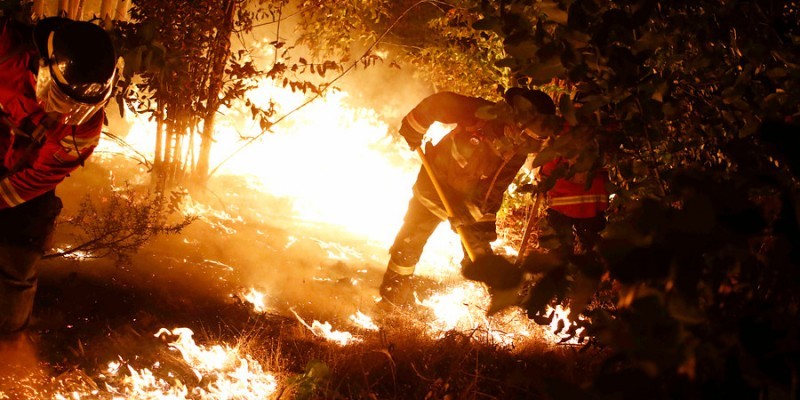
[53, 99]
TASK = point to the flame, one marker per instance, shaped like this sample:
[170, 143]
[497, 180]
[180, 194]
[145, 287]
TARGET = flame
[342, 171]
[337, 163]
[75, 255]
[325, 331]
[222, 370]
[462, 308]
[255, 298]
[561, 317]
[363, 321]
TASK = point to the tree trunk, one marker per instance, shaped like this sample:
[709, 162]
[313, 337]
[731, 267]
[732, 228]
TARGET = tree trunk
[38, 9]
[219, 58]
[122, 10]
[78, 10]
[105, 10]
[63, 7]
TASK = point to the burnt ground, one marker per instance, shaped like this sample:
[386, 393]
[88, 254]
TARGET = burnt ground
[90, 313]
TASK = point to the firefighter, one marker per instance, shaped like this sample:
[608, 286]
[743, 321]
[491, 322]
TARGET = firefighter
[474, 163]
[576, 205]
[55, 79]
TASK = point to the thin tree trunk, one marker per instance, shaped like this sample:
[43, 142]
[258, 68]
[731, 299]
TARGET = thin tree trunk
[38, 9]
[79, 10]
[222, 46]
[63, 7]
[122, 10]
[105, 10]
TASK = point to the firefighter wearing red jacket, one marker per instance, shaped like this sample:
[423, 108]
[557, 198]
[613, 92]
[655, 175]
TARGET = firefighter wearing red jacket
[576, 205]
[474, 163]
[55, 79]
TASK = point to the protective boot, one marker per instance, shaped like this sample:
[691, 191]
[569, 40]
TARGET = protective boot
[397, 286]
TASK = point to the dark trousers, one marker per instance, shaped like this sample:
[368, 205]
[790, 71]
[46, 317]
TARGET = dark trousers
[586, 230]
[418, 226]
[25, 231]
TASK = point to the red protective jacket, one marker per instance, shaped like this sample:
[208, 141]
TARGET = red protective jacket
[572, 198]
[65, 146]
[475, 162]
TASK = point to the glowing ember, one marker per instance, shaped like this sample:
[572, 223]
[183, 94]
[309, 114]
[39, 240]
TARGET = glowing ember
[363, 321]
[74, 255]
[325, 331]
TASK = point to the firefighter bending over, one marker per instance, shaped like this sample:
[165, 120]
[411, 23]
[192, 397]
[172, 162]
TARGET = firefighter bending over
[474, 164]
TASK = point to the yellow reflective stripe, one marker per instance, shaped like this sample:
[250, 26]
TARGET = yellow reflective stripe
[414, 124]
[585, 199]
[9, 194]
[80, 143]
[401, 270]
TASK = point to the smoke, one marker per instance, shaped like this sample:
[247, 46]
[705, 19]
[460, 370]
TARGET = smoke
[305, 214]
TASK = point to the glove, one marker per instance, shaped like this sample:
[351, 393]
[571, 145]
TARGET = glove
[493, 270]
[455, 223]
[412, 137]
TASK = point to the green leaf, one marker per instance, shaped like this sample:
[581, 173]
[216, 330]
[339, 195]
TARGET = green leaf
[543, 72]
[567, 109]
[682, 311]
[523, 49]
[486, 24]
[648, 42]
[554, 12]
[508, 62]
[542, 262]
[318, 370]
[583, 290]
[545, 156]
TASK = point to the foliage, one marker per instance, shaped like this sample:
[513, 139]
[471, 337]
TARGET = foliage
[433, 38]
[677, 101]
[311, 381]
[117, 222]
[180, 69]
[688, 105]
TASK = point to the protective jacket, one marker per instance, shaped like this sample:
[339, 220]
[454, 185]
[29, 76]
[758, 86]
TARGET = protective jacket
[31, 170]
[575, 197]
[474, 163]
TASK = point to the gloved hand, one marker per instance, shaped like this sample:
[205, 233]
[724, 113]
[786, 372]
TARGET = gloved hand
[493, 270]
[412, 137]
[456, 222]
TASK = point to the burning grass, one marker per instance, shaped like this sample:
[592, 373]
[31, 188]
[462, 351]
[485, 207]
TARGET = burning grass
[280, 297]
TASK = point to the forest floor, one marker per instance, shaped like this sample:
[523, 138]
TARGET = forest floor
[95, 328]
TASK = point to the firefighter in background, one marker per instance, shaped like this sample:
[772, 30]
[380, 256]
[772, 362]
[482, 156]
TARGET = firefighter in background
[55, 79]
[576, 205]
[474, 163]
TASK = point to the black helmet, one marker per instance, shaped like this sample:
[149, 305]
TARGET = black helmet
[540, 100]
[77, 67]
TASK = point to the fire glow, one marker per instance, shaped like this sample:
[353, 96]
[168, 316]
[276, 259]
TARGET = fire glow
[341, 170]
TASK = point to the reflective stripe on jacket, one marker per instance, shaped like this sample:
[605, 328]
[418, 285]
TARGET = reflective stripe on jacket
[473, 172]
[571, 196]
